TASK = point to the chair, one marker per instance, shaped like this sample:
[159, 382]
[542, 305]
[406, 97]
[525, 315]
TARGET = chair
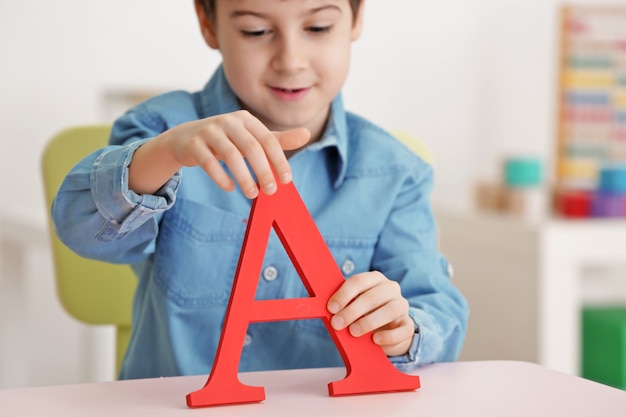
[415, 145]
[91, 291]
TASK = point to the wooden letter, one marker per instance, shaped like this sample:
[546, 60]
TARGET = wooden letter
[368, 370]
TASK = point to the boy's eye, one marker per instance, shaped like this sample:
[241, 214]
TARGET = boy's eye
[319, 29]
[254, 33]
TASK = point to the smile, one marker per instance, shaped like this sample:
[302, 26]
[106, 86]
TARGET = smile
[291, 90]
[290, 94]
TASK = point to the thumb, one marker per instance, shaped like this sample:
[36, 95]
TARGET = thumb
[293, 139]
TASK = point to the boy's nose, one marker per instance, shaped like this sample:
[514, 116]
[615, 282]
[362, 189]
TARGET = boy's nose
[290, 55]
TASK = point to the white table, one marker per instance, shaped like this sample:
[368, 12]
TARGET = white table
[524, 282]
[485, 389]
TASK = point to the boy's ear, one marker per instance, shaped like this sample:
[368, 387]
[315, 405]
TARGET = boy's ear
[206, 27]
[357, 26]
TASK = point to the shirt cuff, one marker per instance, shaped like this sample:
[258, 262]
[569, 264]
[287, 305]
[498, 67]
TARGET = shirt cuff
[115, 201]
[426, 345]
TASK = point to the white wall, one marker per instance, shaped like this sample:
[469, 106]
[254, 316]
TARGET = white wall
[60, 57]
[474, 79]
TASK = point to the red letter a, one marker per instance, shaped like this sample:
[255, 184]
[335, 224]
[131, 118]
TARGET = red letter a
[368, 368]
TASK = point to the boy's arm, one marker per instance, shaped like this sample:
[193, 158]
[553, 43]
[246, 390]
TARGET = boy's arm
[94, 211]
[407, 301]
[108, 206]
[408, 253]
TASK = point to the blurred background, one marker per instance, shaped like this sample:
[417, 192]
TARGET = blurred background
[479, 82]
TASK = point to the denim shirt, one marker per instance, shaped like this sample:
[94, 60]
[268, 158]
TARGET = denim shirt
[368, 195]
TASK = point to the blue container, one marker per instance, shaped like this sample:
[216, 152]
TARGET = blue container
[613, 179]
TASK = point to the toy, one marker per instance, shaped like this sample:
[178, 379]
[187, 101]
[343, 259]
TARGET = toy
[368, 368]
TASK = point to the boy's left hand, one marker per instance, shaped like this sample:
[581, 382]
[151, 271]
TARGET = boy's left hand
[370, 302]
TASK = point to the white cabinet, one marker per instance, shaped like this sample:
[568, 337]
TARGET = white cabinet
[526, 282]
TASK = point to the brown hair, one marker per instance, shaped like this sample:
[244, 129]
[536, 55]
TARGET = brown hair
[209, 7]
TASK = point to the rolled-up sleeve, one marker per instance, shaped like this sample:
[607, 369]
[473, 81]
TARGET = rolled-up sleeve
[115, 201]
[97, 216]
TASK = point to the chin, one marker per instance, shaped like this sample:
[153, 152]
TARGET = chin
[286, 123]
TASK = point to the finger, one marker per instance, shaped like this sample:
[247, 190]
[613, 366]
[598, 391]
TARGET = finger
[252, 149]
[366, 295]
[294, 138]
[288, 140]
[209, 163]
[395, 341]
[394, 335]
[228, 152]
[273, 155]
[392, 311]
[351, 288]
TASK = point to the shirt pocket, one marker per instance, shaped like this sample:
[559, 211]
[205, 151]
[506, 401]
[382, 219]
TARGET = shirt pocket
[197, 253]
[352, 256]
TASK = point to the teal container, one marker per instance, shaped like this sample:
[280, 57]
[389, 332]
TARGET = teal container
[520, 172]
[604, 345]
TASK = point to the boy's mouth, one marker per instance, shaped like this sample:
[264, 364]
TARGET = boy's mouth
[290, 94]
[289, 90]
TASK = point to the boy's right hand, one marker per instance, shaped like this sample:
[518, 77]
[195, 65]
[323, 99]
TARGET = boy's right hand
[232, 138]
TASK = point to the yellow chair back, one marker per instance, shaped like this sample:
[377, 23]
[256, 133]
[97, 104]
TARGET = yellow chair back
[415, 145]
[91, 291]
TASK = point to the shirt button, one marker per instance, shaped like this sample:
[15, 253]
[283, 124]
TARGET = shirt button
[450, 270]
[270, 273]
[347, 267]
[247, 340]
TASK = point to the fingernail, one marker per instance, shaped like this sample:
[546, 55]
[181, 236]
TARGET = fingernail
[355, 330]
[333, 307]
[337, 322]
[286, 177]
[253, 192]
[270, 188]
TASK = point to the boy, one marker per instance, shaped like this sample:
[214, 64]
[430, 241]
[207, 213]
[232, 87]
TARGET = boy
[172, 192]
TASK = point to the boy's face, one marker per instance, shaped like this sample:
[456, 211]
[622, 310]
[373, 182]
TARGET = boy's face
[286, 60]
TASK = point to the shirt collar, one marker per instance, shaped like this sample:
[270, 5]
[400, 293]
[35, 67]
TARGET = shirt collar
[336, 136]
[219, 98]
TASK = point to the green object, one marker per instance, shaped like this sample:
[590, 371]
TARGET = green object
[523, 172]
[604, 345]
[91, 291]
